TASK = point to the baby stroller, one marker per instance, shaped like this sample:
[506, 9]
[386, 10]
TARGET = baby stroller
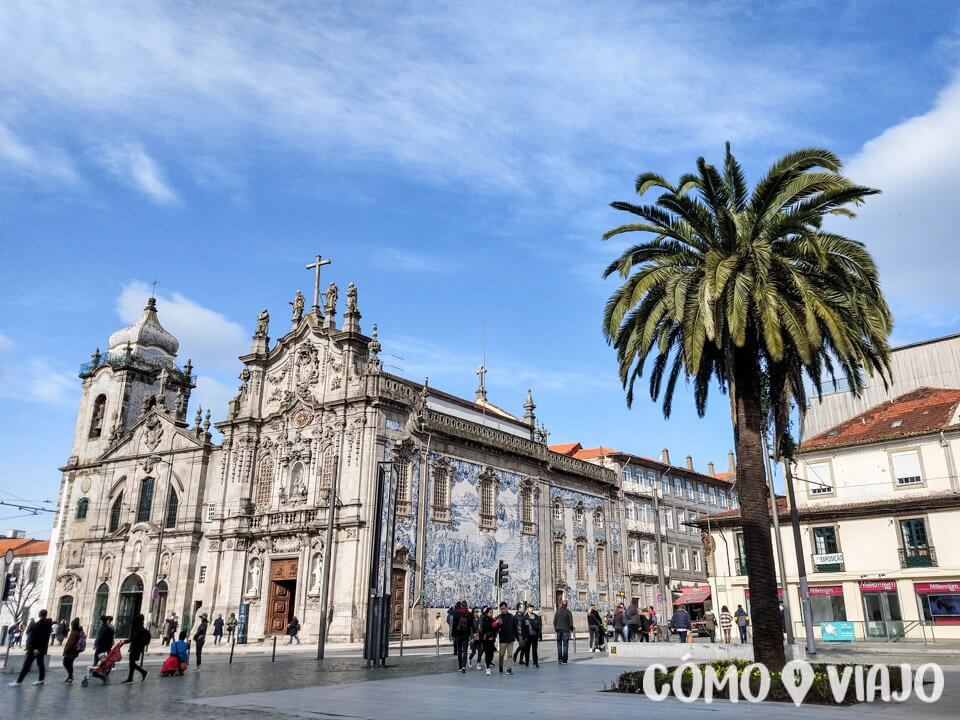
[102, 669]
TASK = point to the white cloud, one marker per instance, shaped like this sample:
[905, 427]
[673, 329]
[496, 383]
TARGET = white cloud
[207, 337]
[509, 97]
[35, 379]
[130, 163]
[38, 161]
[212, 395]
[910, 227]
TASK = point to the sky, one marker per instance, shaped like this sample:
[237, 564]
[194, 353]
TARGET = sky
[456, 161]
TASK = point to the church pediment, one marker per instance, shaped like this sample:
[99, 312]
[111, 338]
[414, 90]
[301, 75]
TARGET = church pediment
[155, 432]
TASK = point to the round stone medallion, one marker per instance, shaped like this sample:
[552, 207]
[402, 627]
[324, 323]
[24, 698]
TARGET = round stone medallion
[301, 418]
[85, 484]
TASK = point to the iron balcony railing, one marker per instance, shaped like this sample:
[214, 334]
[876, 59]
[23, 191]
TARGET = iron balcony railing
[914, 557]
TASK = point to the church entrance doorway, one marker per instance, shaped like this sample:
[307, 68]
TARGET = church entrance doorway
[131, 597]
[283, 595]
[559, 598]
[398, 584]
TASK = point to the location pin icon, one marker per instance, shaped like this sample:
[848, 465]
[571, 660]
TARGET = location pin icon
[797, 690]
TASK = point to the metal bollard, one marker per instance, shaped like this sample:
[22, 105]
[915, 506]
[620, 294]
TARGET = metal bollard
[273, 657]
[401, 644]
[438, 644]
[574, 633]
[233, 644]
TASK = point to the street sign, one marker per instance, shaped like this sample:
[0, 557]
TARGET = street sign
[243, 618]
[837, 631]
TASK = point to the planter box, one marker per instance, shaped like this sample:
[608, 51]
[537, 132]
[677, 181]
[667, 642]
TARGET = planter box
[704, 652]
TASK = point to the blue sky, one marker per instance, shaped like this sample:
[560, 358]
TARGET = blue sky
[456, 163]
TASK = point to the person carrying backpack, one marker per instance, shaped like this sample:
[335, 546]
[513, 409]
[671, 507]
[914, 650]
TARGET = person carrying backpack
[138, 641]
[76, 644]
[532, 630]
[461, 627]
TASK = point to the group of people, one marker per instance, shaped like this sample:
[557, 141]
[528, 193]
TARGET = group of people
[513, 636]
[58, 632]
[631, 623]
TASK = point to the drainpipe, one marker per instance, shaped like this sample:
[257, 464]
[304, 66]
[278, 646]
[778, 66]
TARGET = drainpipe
[776, 529]
[801, 563]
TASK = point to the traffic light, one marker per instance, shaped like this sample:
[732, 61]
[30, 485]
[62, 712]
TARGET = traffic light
[503, 573]
[9, 586]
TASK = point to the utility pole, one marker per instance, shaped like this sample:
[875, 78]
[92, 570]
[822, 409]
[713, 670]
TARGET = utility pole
[660, 574]
[779, 544]
[327, 559]
[801, 564]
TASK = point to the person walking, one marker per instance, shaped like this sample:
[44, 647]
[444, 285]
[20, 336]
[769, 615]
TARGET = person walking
[218, 629]
[104, 639]
[138, 641]
[631, 618]
[619, 625]
[595, 628]
[680, 623]
[461, 630]
[476, 640]
[710, 622]
[645, 625]
[742, 620]
[231, 627]
[62, 630]
[170, 632]
[726, 622]
[293, 629]
[563, 626]
[200, 638]
[532, 630]
[488, 630]
[506, 626]
[518, 622]
[38, 642]
[180, 649]
[76, 644]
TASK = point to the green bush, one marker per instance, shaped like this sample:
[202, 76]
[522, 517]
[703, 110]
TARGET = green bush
[820, 692]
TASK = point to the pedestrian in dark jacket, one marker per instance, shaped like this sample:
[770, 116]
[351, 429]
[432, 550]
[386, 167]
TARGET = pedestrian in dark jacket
[488, 631]
[518, 620]
[62, 630]
[563, 626]
[680, 623]
[618, 624]
[506, 627]
[218, 630]
[631, 618]
[461, 629]
[200, 638]
[138, 641]
[71, 650]
[38, 642]
[532, 631]
[476, 640]
[104, 640]
[595, 627]
[293, 630]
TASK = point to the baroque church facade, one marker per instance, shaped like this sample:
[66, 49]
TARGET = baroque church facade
[155, 517]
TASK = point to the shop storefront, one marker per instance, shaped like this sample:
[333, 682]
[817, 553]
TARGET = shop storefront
[881, 609]
[826, 603]
[939, 602]
[746, 598]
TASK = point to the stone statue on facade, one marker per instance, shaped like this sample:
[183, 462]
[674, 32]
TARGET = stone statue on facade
[351, 298]
[263, 323]
[330, 304]
[297, 308]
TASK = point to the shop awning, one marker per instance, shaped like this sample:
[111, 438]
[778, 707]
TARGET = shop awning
[693, 595]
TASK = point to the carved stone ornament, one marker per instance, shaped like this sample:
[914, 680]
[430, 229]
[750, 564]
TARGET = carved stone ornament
[301, 418]
[152, 432]
[285, 543]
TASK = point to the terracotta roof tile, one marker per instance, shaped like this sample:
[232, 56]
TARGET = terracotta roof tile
[24, 546]
[922, 411]
[590, 453]
[566, 448]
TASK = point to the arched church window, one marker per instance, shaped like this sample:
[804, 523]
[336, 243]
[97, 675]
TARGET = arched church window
[327, 469]
[265, 482]
[96, 419]
[526, 509]
[404, 472]
[558, 510]
[173, 506]
[578, 514]
[581, 562]
[440, 501]
[601, 564]
[598, 519]
[146, 500]
[558, 573]
[488, 501]
[116, 511]
[83, 504]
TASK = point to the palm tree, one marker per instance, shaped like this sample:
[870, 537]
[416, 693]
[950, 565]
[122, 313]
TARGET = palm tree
[748, 289]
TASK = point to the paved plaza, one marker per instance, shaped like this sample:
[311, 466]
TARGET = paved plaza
[418, 685]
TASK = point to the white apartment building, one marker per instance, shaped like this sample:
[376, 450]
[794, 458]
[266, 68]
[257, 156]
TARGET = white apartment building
[879, 504]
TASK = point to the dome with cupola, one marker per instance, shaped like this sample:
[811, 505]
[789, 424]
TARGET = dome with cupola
[146, 337]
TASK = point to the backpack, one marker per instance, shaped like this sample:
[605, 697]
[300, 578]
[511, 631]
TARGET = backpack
[463, 625]
[81, 642]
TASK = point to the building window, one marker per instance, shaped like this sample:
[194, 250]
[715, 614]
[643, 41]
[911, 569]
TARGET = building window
[64, 610]
[626, 474]
[203, 574]
[440, 501]
[404, 474]
[634, 549]
[665, 484]
[173, 506]
[645, 511]
[681, 519]
[690, 493]
[527, 524]
[558, 560]
[631, 510]
[678, 487]
[598, 519]
[645, 552]
[906, 467]
[83, 504]
[697, 561]
[488, 501]
[741, 555]
[685, 559]
[115, 512]
[818, 475]
[916, 550]
[265, 483]
[557, 511]
[668, 514]
[327, 468]
[672, 557]
[701, 492]
[96, 419]
[578, 514]
[601, 564]
[734, 499]
[825, 540]
[651, 478]
[713, 495]
[581, 562]
[33, 571]
[723, 498]
[211, 512]
[617, 565]
[146, 500]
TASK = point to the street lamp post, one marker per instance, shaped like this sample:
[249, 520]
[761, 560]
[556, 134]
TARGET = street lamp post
[154, 594]
[788, 623]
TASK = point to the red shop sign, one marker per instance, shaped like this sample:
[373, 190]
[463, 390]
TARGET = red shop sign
[940, 587]
[878, 586]
[829, 590]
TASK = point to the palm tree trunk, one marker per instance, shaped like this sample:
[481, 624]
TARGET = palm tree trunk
[755, 510]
